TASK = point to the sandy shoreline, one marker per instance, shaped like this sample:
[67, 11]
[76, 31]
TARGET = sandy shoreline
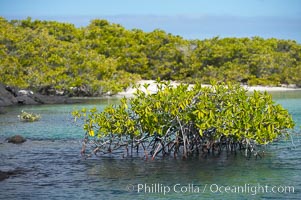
[153, 88]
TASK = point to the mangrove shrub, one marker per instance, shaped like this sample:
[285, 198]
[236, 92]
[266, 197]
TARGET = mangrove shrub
[185, 120]
[29, 117]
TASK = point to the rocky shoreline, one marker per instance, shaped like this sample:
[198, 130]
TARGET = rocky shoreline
[12, 96]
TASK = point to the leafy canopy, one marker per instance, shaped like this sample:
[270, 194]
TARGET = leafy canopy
[105, 57]
[187, 119]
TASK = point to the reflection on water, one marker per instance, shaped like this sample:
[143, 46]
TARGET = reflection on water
[53, 168]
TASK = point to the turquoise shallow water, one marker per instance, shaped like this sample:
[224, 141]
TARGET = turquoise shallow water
[53, 168]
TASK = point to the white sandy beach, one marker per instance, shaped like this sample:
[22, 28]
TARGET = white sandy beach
[270, 89]
[152, 88]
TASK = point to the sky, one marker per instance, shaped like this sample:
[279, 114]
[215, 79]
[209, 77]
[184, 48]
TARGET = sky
[191, 19]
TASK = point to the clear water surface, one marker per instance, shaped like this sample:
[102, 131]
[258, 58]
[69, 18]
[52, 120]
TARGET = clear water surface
[53, 168]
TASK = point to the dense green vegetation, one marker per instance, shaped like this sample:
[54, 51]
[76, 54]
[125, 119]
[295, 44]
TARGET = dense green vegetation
[105, 57]
[49, 55]
[186, 121]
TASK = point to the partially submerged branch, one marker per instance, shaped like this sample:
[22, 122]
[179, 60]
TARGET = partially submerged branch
[29, 117]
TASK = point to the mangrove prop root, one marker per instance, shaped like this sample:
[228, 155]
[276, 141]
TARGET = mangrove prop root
[152, 145]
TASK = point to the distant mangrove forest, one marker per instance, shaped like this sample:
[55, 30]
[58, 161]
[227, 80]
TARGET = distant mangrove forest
[50, 57]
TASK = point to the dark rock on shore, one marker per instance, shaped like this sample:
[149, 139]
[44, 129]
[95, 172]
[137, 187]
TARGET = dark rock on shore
[14, 96]
[26, 100]
[33, 99]
[16, 139]
[43, 99]
[6, 174]
[6, 98]
[12, 90]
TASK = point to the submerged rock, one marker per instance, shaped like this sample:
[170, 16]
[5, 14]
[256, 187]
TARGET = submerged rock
[6, 174]
[2, 110]
[16, 139]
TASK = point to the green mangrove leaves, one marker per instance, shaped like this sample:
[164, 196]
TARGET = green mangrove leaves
[186, 120]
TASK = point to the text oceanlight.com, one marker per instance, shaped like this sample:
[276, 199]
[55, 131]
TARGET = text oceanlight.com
[251, 189]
